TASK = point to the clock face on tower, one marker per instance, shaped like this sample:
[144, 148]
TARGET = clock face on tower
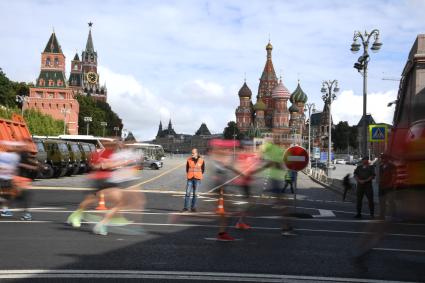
[92, 77]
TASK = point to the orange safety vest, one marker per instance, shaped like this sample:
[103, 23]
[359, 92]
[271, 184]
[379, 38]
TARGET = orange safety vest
[195, 169]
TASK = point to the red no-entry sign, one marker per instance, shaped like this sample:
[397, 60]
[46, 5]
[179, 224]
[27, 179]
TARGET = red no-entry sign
[296, 158]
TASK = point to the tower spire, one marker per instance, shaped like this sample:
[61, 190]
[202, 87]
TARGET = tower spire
[89, 44]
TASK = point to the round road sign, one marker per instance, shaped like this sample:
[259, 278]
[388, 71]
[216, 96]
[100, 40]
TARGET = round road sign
[296, 158]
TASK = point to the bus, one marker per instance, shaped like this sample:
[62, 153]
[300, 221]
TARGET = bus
[151, 151]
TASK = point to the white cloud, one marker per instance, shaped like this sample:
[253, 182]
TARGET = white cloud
[349, 107]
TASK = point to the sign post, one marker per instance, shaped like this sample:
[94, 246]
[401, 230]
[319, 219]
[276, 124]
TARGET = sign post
[296, 158]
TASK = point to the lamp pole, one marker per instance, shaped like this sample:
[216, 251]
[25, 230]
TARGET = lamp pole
[309, 107]
[88, 120]
[65, 111]
[361, 67]
[116, 129]
[103, 124]
[329, 90]
[21, 99]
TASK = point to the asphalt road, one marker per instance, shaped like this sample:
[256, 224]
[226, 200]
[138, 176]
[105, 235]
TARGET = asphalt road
[164, 245]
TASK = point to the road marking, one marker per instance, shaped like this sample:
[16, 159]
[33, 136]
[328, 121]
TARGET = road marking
[217, 240]
[156, 177]
[175, 275]
[217, 226]
[399, 250]
[325, 213]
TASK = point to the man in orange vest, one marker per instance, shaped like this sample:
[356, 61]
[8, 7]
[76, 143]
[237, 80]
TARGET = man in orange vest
[195, 168]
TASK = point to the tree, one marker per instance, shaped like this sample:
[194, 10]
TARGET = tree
[230, 130]
[100, 111]
[343, 136]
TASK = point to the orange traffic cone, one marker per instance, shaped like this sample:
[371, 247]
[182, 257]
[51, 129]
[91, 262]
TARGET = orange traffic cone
[220, 204]
[101, 205]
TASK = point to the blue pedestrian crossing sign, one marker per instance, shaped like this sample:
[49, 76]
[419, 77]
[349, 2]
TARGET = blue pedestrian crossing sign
[378, 133]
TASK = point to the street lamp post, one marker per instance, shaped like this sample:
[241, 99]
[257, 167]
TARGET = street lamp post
[103, 124]
[88, 120]
[309, 107]
[329, 90]
[21, 99]
[65, 111]
[361, 67]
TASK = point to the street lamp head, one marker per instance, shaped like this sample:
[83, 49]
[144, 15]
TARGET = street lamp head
[376, 45]
[355, 46]
[358, 66]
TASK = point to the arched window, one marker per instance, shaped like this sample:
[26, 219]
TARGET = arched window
[48, 61]
[56, 61]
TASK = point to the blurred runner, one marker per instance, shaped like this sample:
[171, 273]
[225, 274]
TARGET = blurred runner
[9, 161]
[221, 157]
[27, 168]
[246, 160]
[195, 168]
[347, 186]
[273, 156]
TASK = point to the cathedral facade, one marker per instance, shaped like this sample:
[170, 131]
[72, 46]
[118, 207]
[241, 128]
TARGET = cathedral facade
[270, 116]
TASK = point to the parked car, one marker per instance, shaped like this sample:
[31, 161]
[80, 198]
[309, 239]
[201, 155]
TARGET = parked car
[86, 154]
[340, 161]
[152, 164]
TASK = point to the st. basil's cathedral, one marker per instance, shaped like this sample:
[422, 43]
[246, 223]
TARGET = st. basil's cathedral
[270, 116]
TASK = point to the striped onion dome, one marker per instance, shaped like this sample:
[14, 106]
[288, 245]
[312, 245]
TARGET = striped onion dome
[280, 91]
[298, 95]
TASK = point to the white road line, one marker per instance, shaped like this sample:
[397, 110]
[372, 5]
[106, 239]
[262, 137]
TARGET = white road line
[325, 213]
[399, 250]
[216, 226]
[176, 275]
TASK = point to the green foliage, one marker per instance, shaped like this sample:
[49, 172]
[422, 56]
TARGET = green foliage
[230, 130]
[344, 135]
[100, 112]
[38, 123]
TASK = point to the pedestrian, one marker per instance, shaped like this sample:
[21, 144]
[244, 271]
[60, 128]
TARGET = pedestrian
[290, 179]
[347, 185]
[195, 168]
[364, 174]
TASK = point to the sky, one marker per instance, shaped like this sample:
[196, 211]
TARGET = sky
[186, 60]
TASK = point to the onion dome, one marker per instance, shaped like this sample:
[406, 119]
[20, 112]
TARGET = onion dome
[298, 95]
[280, 91]
[260, 105]
[245, 91]
[269, 46]
[293, 108]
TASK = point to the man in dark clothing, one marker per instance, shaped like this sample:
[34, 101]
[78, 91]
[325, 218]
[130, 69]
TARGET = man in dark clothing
[364, 175]
[195, 168]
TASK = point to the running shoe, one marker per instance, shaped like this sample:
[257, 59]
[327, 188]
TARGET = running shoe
[225, 237]
[75, 219]
[6, 213]
[100, 229]
[193, 209]
[242, 226]
[185, 210]
[26, 216]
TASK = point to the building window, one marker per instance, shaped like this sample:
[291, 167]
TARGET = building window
[62, 95]
[59, 83]
[50, 95]
[76, 67]
[51, 83]
[48, 61]
[41, 82]
[56, 61]
[38, 94]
